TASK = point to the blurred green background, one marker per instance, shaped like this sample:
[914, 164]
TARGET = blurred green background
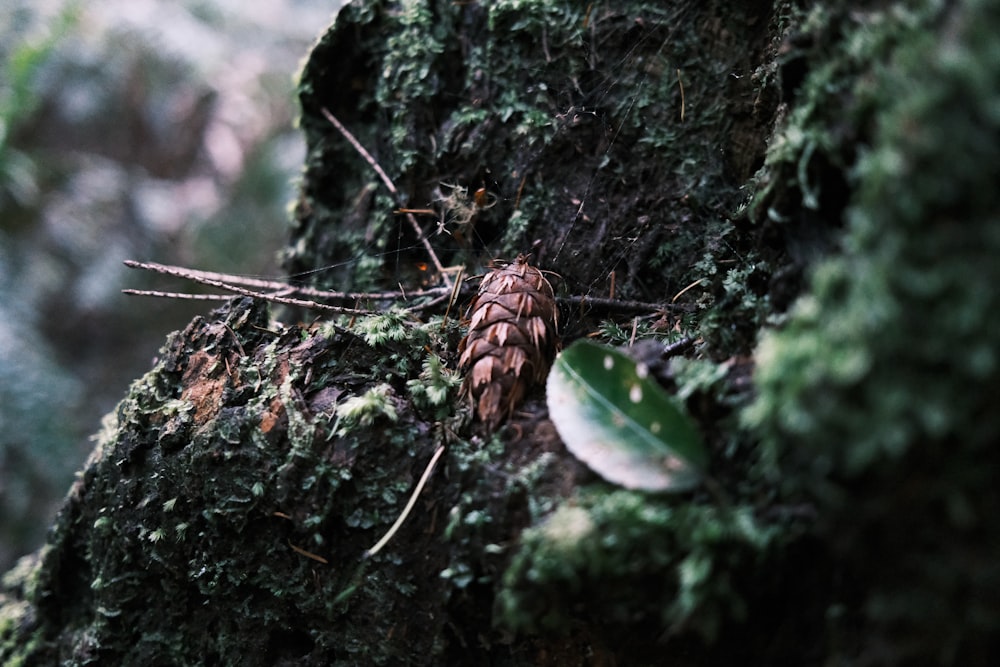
[142, 129]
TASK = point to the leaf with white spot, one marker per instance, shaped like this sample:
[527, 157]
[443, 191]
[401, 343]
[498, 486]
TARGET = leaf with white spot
[621, 423]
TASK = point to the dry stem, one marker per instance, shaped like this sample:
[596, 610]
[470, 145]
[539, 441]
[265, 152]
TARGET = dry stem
[232, 283]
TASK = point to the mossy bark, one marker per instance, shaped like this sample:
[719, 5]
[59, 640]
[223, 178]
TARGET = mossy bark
[733, 159]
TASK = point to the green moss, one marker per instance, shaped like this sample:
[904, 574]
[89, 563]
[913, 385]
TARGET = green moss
[221, 462]
[824, 71]
[912, 288]
[614, 557]
[410, 73]
[382, 328]
[435, 387]
[571, 136]
[813, 149]
[363, 410]
[876, 398]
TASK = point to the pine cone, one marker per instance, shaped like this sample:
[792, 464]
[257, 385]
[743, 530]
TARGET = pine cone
[511, 340]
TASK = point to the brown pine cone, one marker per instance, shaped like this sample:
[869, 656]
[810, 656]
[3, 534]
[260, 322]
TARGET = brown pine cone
[511, 340]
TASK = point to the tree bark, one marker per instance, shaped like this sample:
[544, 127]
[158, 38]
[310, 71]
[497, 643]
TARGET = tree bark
[810, 178]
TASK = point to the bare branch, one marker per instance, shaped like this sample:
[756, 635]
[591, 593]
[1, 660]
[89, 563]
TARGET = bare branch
[278, 293]
[678, 347]
[177, 295]
[278, 286]
[272, 297]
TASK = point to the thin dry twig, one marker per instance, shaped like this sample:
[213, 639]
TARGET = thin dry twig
[409, 505]
[308, 554]
[177, 295]
[691, 286]
[195, 274]
[392, 188]
[620, 305]
[272, 297]
[680, 84]
[277, 286]
[453, 297]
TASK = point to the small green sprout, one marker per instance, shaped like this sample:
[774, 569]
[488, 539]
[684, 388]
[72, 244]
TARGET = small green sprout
[435, 383]
[364, 409]
[380, 329]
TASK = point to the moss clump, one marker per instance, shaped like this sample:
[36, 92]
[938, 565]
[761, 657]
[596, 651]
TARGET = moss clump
[222, 496]
[640, 564]
[877, 398]
[822, 81]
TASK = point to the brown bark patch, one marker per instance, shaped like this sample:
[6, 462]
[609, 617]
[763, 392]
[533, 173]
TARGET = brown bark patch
[203, 386]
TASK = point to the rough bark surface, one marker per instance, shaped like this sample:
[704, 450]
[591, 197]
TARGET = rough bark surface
[730, 159]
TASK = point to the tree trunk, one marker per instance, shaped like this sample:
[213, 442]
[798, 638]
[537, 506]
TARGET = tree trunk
[809, 192]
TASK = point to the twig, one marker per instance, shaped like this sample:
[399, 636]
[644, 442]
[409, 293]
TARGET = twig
[621, 305]
[308, 554]
[278, 286]
[679, 294]
[274, 298]
[520, 189]
[409, 505]
[234, 283]
[177, 295]
[677, 347]
[680, 84]
[195, 274]
[453, 297]
[392, 188]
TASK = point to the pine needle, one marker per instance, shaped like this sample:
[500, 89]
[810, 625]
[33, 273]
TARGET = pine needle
[409, 505]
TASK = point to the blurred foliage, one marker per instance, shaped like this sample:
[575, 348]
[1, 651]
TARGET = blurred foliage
[123, 137]
[37, 447]
[27, 40]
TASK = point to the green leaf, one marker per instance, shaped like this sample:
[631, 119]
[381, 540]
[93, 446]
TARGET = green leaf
[621, 423]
